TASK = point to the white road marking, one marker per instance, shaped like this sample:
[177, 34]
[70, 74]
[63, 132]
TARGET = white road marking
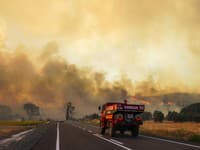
[154, 138]
[83, 129]
[116, 141]
[15, 137]
[124, 147]
[58, 138]
[89, 131]
[170, 141]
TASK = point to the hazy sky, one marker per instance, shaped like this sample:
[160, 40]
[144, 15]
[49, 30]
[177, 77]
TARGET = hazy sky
[134, 37]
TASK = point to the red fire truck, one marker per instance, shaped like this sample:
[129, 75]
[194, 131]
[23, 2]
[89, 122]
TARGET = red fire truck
[120, 117]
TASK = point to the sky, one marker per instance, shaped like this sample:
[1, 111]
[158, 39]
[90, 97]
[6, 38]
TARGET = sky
[138, 39]
[134, 37]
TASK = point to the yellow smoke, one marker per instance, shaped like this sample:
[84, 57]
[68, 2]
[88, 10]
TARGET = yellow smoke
[142, 47]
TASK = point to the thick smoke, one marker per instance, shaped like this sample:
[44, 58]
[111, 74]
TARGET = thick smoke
[50, 82]
[155, 42]
[54, 84]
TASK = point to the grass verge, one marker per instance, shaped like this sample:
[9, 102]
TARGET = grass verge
[21, 123]
[186, 131]
[8, 128]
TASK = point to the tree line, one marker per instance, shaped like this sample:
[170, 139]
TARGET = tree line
[188, 113]
[32, 112]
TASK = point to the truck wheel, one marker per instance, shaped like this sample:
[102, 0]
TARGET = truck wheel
[111, 131]
[135, 131]
[103, 131]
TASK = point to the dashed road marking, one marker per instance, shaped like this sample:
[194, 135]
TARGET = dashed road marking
[116, 141]
[111, 141]
[89, 131]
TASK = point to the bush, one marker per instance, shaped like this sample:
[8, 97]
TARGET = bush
[196, 118]
[190, 113]
[172, 116]
[158, 116]
[180, 118]
[146, 116]
[195, 138]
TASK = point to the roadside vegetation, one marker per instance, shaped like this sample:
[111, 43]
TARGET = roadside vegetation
[7, 131]
[8, 128]
[187, 131]
[184, 125]
[21, 123]
[190, 113]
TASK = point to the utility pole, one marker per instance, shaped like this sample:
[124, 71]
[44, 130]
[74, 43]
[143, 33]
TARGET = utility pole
[69, 110]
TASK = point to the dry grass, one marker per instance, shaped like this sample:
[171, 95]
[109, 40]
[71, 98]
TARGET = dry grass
[187, 131]
[21, 123]
[7, 131]
[181, 131]
[8, 128]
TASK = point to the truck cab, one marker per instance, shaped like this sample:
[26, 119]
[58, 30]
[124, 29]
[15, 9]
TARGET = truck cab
[120, 117]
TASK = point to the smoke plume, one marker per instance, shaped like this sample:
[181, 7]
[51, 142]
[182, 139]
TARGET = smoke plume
[99, 51]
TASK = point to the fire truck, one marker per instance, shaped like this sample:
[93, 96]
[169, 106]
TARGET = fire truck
[120, 117]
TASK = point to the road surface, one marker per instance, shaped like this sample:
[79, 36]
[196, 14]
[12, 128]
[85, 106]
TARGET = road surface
[79, 136]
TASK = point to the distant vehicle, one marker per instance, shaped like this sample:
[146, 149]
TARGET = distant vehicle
[120, 117]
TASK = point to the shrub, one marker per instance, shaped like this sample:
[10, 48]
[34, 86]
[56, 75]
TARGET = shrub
[172, 116]
[195, 138]
[158, 116]
[146, 116]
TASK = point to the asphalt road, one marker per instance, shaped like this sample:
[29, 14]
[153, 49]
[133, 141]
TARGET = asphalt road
[79, 136]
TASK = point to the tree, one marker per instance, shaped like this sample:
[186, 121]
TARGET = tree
[31, 110]
[158, 116]
[172, 116]
[190, 113]
[180, 117]
[5, 112]
[196, 118]
[146, 116]
[69, 110]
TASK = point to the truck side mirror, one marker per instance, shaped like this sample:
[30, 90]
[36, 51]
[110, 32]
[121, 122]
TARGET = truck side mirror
[99, 108]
